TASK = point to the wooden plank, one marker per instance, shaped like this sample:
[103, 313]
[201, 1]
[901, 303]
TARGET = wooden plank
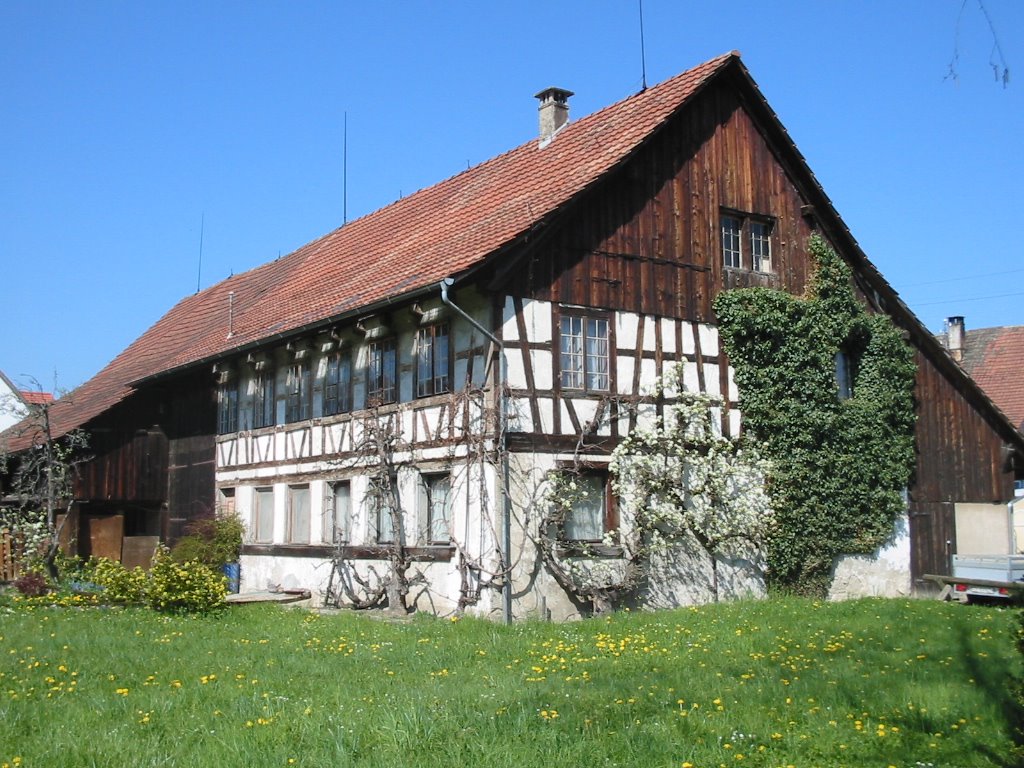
[137, 551]
[104, 535]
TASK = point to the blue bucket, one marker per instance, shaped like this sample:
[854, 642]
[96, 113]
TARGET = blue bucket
[233, 572]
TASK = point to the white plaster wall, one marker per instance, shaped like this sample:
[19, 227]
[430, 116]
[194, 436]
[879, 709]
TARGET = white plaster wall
[886, 573]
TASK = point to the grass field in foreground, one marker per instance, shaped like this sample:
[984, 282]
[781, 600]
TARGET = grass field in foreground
[774, 683]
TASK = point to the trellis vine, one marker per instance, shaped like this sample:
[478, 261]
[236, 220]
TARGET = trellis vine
[839, 465]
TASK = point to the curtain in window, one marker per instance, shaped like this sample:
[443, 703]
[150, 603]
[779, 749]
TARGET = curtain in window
[597, 354]
[298, 528]
[339, 521]
[264, 516]
[572, 352]
[585, 521]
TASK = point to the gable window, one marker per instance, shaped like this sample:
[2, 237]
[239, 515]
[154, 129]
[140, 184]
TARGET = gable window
[264, 403]
[732, 239]
[263, 515]
[432, 360]
[746, 241]
[298, 514]
[592, 511]
[338, 519]
[584, 352]
[381, 385]
[227, 408]
[298, 393]
[436, 504]
[338, 384]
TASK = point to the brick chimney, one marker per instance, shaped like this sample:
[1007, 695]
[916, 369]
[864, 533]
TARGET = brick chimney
[955, 337]
[554, 111]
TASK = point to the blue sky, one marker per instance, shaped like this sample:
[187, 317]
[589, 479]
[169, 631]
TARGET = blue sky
[127, 127]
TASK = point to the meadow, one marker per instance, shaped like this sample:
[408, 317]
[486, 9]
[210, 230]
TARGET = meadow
[787, 682]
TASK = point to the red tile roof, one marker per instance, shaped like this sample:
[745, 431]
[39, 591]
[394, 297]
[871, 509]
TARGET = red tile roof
[36, 398]
[995, 359]
[440, 231]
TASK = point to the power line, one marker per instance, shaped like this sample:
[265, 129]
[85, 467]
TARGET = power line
[964, 301]
[967, 277]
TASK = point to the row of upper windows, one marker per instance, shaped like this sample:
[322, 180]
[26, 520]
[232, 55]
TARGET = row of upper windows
[584, 363]
[258, 408]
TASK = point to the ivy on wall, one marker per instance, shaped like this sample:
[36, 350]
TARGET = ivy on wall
[840, 459]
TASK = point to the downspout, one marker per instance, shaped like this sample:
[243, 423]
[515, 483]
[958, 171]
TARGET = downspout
[506, 523]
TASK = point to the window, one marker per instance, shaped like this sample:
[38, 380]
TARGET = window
[584, 359]
[436, 503]
[298, 393]
[746, 242]
[227, 408]
[593, 511]
[379, 496]
[381, 372]
[298, 514]
[844, 375]
[263, 515]
[432, 360]
[338, 384]
[226, 502]
[338, 519]
[264, 405]
[732, 237]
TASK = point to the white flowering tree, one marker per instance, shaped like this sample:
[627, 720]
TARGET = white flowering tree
[678, 481]
[37, 485]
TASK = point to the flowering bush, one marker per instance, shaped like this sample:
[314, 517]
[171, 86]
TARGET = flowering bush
[120, 585]
[188, 587]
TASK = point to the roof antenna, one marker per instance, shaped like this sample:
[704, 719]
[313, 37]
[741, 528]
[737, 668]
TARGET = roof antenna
[344, 170]
[199, 275]
[643, 54]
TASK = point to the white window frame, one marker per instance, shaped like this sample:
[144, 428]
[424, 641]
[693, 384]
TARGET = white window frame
[584, 351]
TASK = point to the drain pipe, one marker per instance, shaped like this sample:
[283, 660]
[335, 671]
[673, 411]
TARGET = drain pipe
[506, 523]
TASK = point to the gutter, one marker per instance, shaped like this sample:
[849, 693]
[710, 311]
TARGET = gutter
[505, 551]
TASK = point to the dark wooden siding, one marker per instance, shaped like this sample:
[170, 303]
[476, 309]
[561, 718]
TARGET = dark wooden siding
[153, 457]
[647, 237]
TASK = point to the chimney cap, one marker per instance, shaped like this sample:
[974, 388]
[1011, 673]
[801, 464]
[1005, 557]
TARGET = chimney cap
[559, 95]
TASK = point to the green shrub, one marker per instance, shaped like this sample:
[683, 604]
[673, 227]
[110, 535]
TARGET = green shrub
[188, 587]
[212, 541]
[120, 585]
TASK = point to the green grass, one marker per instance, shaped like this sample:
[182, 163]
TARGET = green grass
[774, 683]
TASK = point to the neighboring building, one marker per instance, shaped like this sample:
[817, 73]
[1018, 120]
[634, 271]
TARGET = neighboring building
[314, 393]
[14, 402]
[994, 357]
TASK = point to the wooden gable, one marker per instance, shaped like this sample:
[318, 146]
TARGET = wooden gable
[647, 238]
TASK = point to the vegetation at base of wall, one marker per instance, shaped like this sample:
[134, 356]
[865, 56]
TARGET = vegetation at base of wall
[212, 541]
[780, 682]
[168, 586]
[681, 487]
[839, 466]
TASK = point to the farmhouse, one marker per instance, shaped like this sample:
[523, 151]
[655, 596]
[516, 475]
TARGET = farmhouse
[398, 390]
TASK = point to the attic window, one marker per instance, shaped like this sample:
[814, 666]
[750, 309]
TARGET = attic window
[746, 241]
